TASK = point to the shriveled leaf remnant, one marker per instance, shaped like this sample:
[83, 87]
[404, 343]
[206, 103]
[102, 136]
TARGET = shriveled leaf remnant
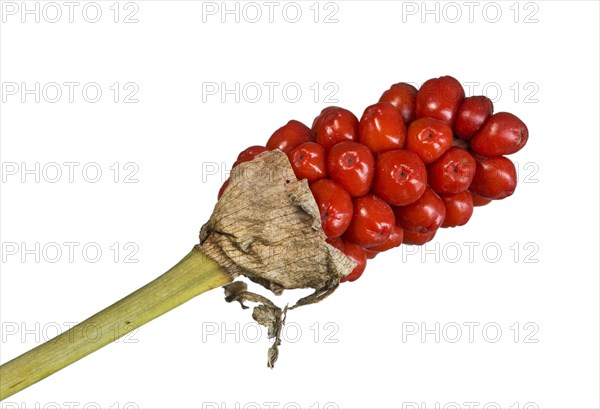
[267, 227]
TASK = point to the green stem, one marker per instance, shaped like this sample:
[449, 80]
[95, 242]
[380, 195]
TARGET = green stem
[192, 276]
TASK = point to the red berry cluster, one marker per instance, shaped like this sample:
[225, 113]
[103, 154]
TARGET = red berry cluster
[416, 161]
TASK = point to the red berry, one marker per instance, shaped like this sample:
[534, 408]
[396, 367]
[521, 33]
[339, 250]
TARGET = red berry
[502, 134]
[429, 138]
[335, 125]
[222, 189]
[372, 222]
[351, 165]
[289, 136]
[382, 128]
[250, 153]
[424, 215]
[478, 200]
[400, 177]
[472, 114]
[440, 98]
[495, 177]
[357, 254]
[402, 96]
[393, 241]
[336, 242]
[418, 239]
[459, 209]
[308, 161]
[452, 173]
[335, 206]
[371, 254]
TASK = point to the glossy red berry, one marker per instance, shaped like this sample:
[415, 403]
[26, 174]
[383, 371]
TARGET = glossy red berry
[372, 222]
[357, 254]
[479, 201]
[459, 209]
[289, 136]
[335, 125]
[440, 98]
[495, 177]
[402, 96]
[308, 161]
[336, 242]
[452, 173]
[472, 114]
[335, 206]
[502, 134]
[382, 128]
[248, 154]
[351, 165]
[424, 215]
[400, 177]
[429, 138]
[393, 241]
[418, 239]
[371, 254]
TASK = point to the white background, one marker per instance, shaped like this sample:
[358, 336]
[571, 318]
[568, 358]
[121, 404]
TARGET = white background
[365, 353]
